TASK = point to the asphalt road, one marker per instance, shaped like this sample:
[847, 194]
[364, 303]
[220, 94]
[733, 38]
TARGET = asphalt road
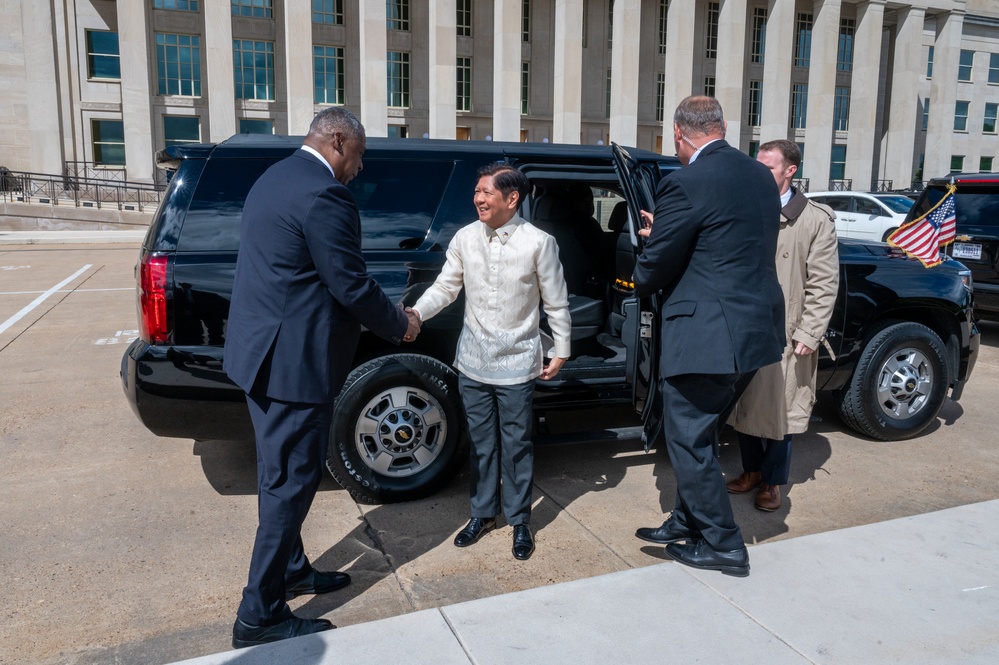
[119, 546]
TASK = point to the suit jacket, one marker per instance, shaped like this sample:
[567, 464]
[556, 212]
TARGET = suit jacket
[711, 253]
[301, 289]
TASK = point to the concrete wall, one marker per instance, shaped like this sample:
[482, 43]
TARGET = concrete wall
[44, 217]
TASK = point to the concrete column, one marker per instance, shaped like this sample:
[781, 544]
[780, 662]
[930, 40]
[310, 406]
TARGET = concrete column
[133, 45]
[374, 74]
[220, 84]
[907, 68]
[730, 65]
[41, 89]
[506, 69]
[864, 106]
[443, 59]
[680, 27]
[298, 63]
[778, 57]
[624, 72]
[943, 94]
[822, 91]
[568, 91]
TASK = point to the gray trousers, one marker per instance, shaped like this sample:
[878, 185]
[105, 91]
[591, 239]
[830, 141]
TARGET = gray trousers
[499, 427]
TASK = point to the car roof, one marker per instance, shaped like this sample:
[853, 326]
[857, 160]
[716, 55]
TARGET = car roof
[968, 178]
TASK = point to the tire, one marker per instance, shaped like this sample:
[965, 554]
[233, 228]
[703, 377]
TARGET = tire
[890, 231]
[397, 432]
[899, 384]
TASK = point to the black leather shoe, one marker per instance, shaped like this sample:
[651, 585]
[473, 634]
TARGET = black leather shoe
[317, 582]
[523, 542]
[700, 555]
[248, 635]
[473, 531]
[669, 532]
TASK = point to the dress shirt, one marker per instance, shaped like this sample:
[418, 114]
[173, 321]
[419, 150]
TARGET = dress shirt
[507, 274]
[320, 157]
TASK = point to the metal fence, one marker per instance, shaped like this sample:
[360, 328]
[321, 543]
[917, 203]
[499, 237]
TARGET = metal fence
[841, 185]
[800, 184]
[81, 189]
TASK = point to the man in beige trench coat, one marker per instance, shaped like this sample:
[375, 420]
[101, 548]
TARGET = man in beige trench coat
[778, 402]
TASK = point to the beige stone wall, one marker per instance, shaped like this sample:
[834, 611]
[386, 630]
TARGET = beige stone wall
[43, 217]
[15, 139]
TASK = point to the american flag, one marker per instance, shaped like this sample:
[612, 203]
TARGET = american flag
[923, 237]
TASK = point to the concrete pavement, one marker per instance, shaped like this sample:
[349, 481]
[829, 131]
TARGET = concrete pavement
[922, 589]
[70, 237]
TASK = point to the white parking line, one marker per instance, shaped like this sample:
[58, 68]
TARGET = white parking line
[40, 299]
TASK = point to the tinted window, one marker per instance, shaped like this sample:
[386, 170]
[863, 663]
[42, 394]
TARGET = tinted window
[899, 204]
[397, 200]
[977, 208]
[837, 203]
[865, 207]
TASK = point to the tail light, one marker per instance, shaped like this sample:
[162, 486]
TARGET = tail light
[154, 295]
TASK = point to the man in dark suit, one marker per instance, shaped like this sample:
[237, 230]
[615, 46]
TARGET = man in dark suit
[711, 253]
[300, 294]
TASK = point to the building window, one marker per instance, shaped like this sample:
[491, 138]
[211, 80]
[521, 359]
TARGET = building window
[103, 61]
[463, 84]
[961, 115]
[397, 63]
[711, 38]
[610, 24]
[397, 14]
[178, 64]
[181, 129]
[841, 109]
[327, 11]
[525, 88]
[803, 40]
[327, 72]
[755, 103]
[251, 126]
[801, 167]
[956, 163]
[109, 142]
[837, 162]
[663, 12]
[525, 21]
[993, 67]
[759, 34]
[464, 18]
[965, 65]
[660, 95]
[989, 124]
[985, 165]
[926, 112]
[844, 52]
[254, 8]
[607, 95]
[929, 63]
[176, 5]
[799, 105]
[709, 86]
[398, 131]
[253, 69]
[754, 149]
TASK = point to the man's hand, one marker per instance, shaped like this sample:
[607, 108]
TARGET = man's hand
[801, 349]
[414, 323]
[552, 368]
[646, 229]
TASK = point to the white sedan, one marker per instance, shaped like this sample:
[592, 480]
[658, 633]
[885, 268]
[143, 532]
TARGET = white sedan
[865, 216]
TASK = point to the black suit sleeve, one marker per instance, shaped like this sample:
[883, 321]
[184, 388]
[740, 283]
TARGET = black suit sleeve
[674, 232]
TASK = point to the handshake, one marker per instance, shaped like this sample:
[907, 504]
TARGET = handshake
[414, 323]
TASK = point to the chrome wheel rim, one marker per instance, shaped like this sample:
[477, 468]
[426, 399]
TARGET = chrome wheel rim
[904, 383]
[400, 431]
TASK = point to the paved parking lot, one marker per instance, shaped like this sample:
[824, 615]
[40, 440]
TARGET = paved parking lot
[119, 546]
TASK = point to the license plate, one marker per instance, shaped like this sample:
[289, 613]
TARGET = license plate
[967, 250]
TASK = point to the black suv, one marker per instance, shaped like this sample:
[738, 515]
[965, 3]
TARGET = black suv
[902, 335]
[977, 220]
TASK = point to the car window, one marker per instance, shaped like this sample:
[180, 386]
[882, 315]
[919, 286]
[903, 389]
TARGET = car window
[837, 203]
[976, 208]
[897, 204]
[867, 207]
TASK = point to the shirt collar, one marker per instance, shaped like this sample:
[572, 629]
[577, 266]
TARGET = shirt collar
[698, 151]
[322, 159]
[505, 232]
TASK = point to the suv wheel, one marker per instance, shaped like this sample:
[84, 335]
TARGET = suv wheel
[899, 384]
[397, 432]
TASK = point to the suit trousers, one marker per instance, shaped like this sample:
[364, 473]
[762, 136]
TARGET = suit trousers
[771, 457]
[499, 427]
[291, 441]
[695, 406]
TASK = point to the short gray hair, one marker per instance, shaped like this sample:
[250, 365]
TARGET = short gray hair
[336, 119]
[699, 115]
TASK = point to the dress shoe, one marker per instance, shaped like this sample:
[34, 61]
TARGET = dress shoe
[768, 498]
[248, 635]
[317, 582]
[747, 481]
[700, 555]
[669, 532]
[523, 542]
[473, 531]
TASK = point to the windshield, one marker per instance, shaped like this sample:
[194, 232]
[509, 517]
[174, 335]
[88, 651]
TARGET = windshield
[896, 203]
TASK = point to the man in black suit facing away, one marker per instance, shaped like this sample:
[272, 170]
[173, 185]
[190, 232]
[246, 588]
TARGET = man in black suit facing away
[711, 253]
[300, 294]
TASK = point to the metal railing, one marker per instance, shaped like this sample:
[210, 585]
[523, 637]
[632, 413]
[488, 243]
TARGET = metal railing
[841, 185]
[800, 184]
[81, 192]
[881, 186]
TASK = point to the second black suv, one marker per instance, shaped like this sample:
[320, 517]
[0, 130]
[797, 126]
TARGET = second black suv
[903, 336]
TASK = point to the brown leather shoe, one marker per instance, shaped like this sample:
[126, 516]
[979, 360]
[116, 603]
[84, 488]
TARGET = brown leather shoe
[747, 481]
[768, 498]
